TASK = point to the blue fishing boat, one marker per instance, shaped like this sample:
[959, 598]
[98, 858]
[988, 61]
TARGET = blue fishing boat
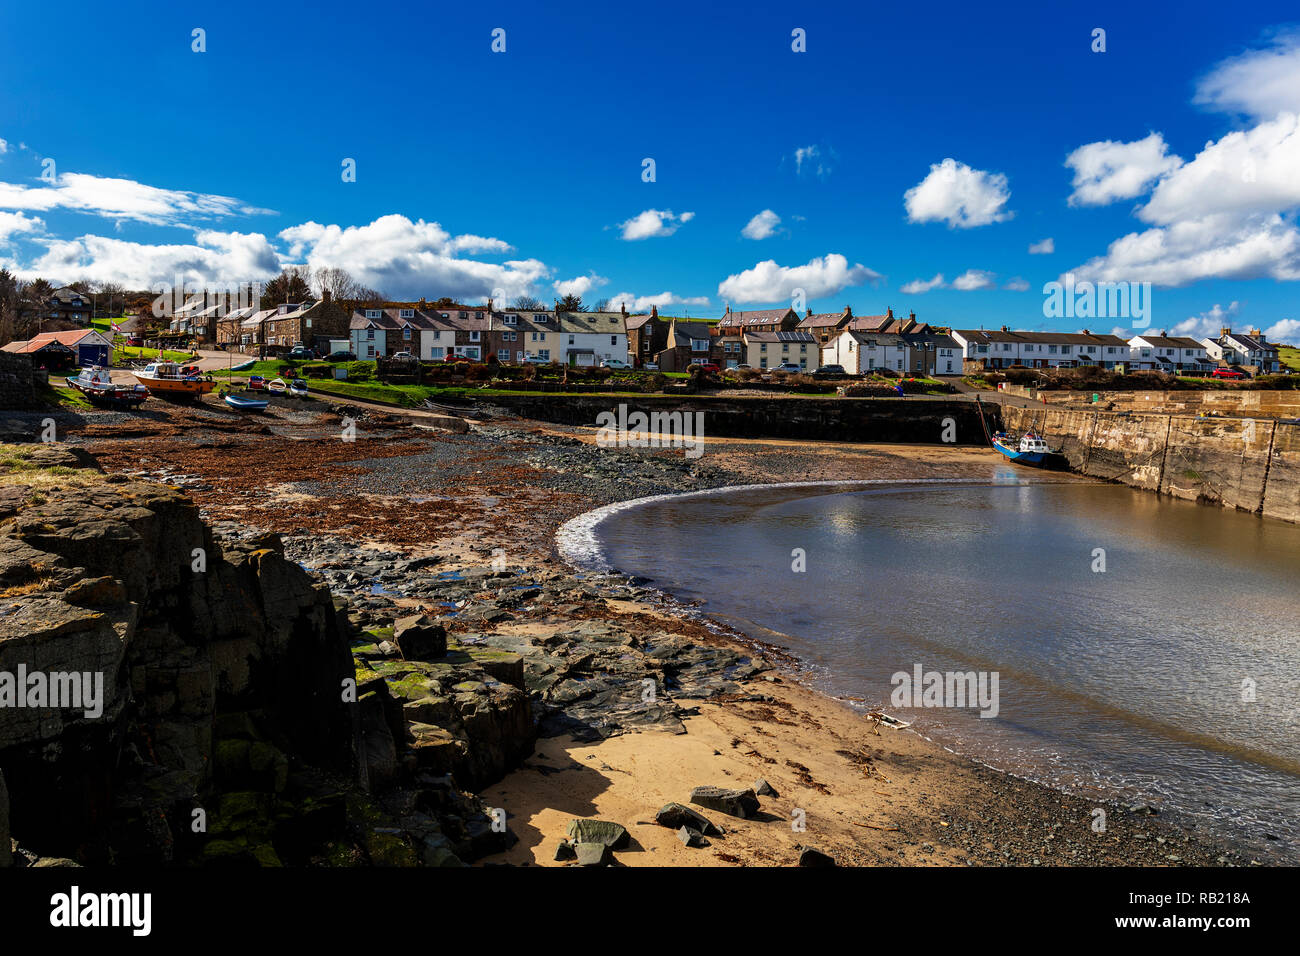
[242, 404]
[1030, 449]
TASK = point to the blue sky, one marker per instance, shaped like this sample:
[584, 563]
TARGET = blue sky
[479, 171]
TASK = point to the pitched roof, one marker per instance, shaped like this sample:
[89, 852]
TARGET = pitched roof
[870, 323]
[70, 338]
[692, 330]
[799, 335]
[987, 336]
[822, 320]
[758, 317]
[608, 323]
[1169, 341]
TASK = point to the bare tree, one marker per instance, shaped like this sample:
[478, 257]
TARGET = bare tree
[528, 303]
[337, 283]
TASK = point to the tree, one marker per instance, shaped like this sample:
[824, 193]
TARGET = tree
[291, 285]
[337, 283]
[570, 303]
[602, 305]
[528, 303]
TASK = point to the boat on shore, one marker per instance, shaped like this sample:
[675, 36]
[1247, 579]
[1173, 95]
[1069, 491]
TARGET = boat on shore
[98, 386]
[1030, 449]
[298, 388]
[277, 385]
[241, 403]
[170, 380]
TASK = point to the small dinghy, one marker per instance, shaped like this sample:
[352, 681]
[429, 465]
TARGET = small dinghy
[298, 388]
[277, 385]
[241, 404]
[243, 365]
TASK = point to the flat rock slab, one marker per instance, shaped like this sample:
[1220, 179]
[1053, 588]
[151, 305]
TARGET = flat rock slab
[764, 789]
[678, 815]
[593, 854]
[692, 838]
[810, 856]
[613, 835]
[736, 803]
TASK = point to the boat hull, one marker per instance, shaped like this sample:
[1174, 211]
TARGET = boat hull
[245, 404]
[176, 388]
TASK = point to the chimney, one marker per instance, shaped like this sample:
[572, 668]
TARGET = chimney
[1258, 333]
[912, 316]
[654, 311]
[622, 307]
[807, 314]
[1005, 329]
[1225, 330]
[848, 312]
[889, 312]
[489, 304]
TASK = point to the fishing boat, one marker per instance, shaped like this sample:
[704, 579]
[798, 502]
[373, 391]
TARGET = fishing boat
[97, 385]
[243, 365]
[277, 385]
[1030, 449]
[298, 388]
[170, 380]
[241, 403]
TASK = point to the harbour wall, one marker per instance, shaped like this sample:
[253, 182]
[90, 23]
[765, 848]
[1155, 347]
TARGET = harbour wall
[1251, 464]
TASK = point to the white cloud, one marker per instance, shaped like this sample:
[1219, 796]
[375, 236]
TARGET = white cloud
[213, 257]
[4, 147]
[958, 195]
[1017, 285]
[769, 282]
[653, 222]
[122, 199]
[762, 225]
[1286, 331]
[642, 303]
[1208, 323]
[1258, 83]
[917, 286]
[1107, 171]
[814, 160]
[408, 259]
[13, 223]
[1044, 248]
[579, 286]
[973, 279]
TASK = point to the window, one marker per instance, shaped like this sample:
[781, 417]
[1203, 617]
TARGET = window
[1029, 348]
[473, 336]
[406, 334]
[504, 355]
[544, 354]
[613, 340]
[407, 313]
[436, 352]
[539, 318]
[570, 339]
[374, 314]
[370, 333]
[370, 351]
[512, 320]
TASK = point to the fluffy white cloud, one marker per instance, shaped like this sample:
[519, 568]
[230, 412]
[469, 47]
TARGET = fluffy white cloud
[653, 222]
[1286, 331]
[973, 279]
[1044, 248]
[579, 286]
[642, 303]
[121, 199]
[769, 282]
[4, 147]
[1107, 171]
[762, 225]
[917, 286]
[14, 223]
[214, 257]
[1207, 323]
[1017, 285]
[1259, 83]
[958, 195]
[409, 259]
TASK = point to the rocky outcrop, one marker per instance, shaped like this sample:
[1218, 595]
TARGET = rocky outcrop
[17, 381]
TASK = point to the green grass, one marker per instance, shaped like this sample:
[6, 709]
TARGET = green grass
[1289, 357]
[142, 353]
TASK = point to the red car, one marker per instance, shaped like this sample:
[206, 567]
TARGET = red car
[706, 366]
[1227, 373]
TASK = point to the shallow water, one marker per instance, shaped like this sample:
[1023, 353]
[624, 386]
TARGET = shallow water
[1125, 683]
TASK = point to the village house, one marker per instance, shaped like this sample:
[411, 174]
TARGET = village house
[1167, 353]
[932, 353]
[647, 336]
[516, 334]
[66, 349]
[687, 342]
[229, 327]
[589, 338]
[826, 325]
[312, 324]
[383, 333]
[862, 352]
[69, 305]
[770, 349]
[1250, 351]
[761, 320]
[983, 349]
[252, 331]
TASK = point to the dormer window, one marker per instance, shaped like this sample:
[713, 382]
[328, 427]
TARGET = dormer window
[372, 313]
[407, 313]
[539, 318]
[512, 320]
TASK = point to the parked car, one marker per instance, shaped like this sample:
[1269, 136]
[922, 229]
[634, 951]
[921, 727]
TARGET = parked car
[786, 367]
[651, 366]
[744, 367]
[831, 370]
[341, 357]
[535, 360]
[706, 366]
[614, 363]
[1222, 372]
[402, 355]
[459, 358]
[300, 352]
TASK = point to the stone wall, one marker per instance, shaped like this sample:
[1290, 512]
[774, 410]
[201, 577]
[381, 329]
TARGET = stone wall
[1251, 464]
[910, 420]
[1253, 401]
[17, 381]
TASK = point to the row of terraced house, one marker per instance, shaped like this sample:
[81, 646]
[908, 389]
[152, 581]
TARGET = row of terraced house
[757, 339]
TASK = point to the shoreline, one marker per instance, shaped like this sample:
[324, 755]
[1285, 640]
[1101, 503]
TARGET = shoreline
[501, 491]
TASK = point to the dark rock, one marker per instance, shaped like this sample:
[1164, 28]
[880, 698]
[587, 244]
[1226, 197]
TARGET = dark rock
[764, 789]
[809, 856]
[692, 838]
[613, 835]
[677, 815]
[564, 851]
[736, 803]
[419, 638]
[593, 854]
